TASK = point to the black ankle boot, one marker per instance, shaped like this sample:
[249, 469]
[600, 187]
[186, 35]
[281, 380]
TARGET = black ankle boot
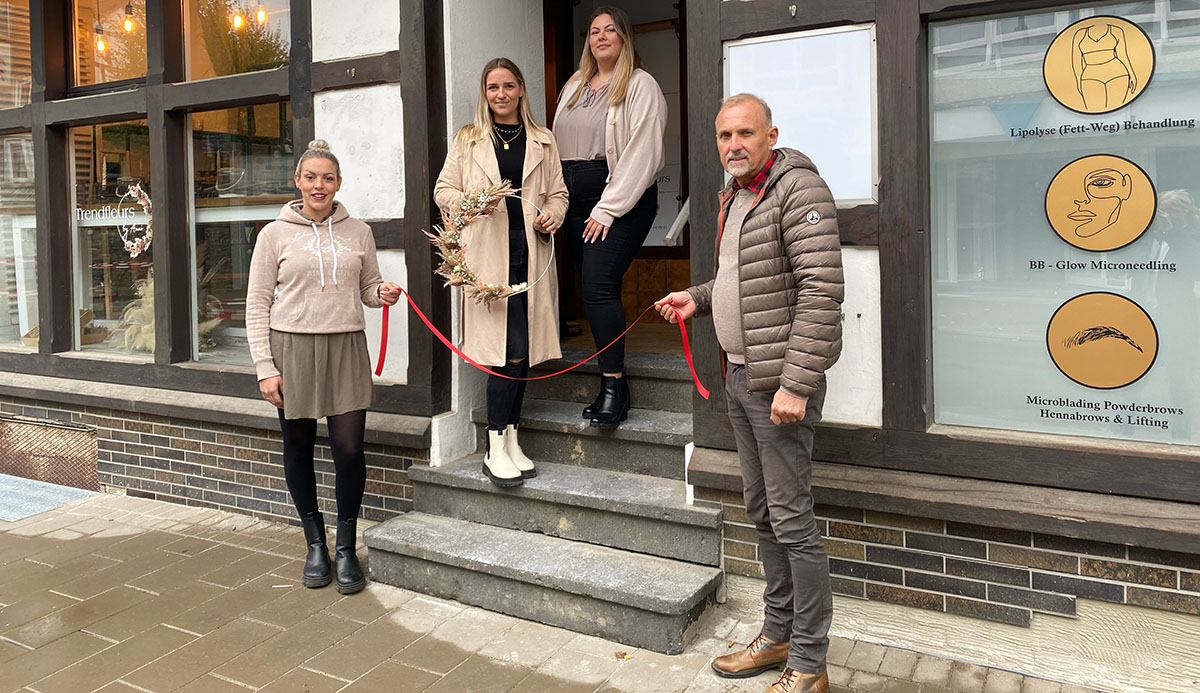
[350, 578]
[614, 403]
[590, 410]
[316, 565]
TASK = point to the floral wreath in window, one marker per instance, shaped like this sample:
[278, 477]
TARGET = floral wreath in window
[134, 243]
[448, 241]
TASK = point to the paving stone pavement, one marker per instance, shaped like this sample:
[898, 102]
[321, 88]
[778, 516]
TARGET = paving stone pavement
[118, 594]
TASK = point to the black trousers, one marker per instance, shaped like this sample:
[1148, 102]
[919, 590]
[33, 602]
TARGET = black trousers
[602, 264]
[504, 396]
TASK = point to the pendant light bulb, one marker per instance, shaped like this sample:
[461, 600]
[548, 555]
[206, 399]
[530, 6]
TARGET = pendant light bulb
[261, 16]
[100, 44]
[238, 20]
[128, 16]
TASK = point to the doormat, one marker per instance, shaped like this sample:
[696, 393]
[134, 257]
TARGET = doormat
[21, 498]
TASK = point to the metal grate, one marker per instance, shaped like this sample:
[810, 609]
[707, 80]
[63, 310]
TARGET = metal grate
[50, 451]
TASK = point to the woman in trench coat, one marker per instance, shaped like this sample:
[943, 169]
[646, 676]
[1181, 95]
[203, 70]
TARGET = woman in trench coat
[510, 246]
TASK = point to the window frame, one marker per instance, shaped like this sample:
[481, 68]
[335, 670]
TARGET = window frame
[164, 98]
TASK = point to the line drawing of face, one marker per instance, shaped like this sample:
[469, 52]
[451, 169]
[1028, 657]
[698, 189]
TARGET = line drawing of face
[1104, 191]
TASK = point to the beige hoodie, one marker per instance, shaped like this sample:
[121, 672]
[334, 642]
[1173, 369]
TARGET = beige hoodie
[309, 277]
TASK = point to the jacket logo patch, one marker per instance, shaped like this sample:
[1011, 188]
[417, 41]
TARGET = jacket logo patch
[814, 217]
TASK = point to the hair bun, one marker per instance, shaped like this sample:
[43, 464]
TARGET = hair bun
[319, 144]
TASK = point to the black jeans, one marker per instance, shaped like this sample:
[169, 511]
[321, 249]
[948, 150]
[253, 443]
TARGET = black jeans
[504, 396]
[602, 264]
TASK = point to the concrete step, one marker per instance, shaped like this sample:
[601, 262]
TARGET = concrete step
[656, 381]
[649, 442]
[642, 601]
[626, 511]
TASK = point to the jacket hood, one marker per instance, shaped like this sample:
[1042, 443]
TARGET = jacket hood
[292, 213]
[786, 159]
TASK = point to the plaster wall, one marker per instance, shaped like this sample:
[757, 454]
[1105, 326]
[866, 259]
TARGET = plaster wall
[346, 31]
[365, 129]
[855, 395]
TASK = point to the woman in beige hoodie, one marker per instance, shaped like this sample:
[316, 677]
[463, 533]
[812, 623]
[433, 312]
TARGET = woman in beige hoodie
[313, 269]
[609, 124]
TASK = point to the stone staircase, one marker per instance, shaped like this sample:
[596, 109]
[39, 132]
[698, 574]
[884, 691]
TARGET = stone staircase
[602, 542]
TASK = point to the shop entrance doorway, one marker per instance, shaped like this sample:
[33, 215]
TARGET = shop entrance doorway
[663, 263]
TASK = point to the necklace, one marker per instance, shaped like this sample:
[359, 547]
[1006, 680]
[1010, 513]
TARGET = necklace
[515, 134]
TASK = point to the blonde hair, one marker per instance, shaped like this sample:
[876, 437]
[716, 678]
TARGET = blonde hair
[482, 127]
[627, 61]
[319, 149]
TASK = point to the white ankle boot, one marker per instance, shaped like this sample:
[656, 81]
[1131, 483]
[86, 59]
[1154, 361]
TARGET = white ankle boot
[513, 448]
[497, 465]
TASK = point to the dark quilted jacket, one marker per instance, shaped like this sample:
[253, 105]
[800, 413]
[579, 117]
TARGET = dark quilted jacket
[790, 274]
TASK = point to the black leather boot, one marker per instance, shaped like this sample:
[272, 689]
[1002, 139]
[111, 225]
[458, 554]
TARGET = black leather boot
[590, 410]
[614, 403]
[316, 564]
[350, 578]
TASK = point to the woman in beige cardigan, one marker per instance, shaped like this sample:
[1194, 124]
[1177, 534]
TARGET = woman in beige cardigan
[609, 124]
[511, 246]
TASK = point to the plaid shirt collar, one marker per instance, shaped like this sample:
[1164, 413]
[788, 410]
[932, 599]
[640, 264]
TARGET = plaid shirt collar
[761, 179]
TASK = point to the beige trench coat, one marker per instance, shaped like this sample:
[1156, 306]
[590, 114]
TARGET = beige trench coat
[473, 167]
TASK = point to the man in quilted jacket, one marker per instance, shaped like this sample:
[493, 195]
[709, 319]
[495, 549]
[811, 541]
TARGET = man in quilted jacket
[776, 305]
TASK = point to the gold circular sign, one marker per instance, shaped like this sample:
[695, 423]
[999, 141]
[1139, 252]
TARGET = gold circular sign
[1100, 202]
[1102, 340]
[1098, 64]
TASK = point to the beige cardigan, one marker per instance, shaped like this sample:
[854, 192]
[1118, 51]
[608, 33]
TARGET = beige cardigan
[633, 143]
[470, 168]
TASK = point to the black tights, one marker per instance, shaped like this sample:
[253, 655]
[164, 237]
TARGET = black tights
[349, 463]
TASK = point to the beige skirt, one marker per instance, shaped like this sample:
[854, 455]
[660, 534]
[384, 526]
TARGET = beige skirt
[323, 374]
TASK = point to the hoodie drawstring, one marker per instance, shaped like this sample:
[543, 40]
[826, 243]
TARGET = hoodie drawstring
[320, 255]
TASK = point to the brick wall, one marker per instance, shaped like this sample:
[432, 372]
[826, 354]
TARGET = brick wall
[984, 572]
[217, 466]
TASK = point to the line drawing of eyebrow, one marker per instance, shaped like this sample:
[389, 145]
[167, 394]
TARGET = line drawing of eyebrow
[1092, 334]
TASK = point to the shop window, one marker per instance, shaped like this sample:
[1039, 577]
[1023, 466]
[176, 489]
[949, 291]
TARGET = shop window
[229, 37]
[242, 164]
[114, 279]
[15, 65]
[1065, 240]
[832, 69]
[18, 244]
[110, 40]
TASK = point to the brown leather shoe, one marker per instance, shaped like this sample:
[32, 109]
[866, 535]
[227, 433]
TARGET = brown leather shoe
[761, 655]
[792, 681]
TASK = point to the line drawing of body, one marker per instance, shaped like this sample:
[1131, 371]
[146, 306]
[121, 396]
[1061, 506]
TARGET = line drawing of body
[1104, 75]
[1105, 190]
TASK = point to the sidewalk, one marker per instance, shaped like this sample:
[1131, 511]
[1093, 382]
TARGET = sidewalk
[118, 594]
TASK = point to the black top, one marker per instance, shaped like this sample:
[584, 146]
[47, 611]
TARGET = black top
[512, 165]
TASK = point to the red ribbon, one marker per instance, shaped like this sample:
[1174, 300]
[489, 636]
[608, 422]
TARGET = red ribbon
[687, 350]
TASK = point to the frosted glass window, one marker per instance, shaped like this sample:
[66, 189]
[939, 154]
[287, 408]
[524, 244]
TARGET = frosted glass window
[820, 86]
[1013, 264]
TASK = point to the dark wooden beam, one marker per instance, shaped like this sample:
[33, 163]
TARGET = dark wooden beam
[704, 57]
[101, 108]
[1164, 471]
[50, 39]
[53, 212]
[170, 188]
[246, 89]
[859, 225]
[423, 85]
[299, 75]
[950, 9]
[389, 234]
[745, 19]
[903, 240]
[188, 377]
[16, 119]
[164, 41]
[383, 68]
